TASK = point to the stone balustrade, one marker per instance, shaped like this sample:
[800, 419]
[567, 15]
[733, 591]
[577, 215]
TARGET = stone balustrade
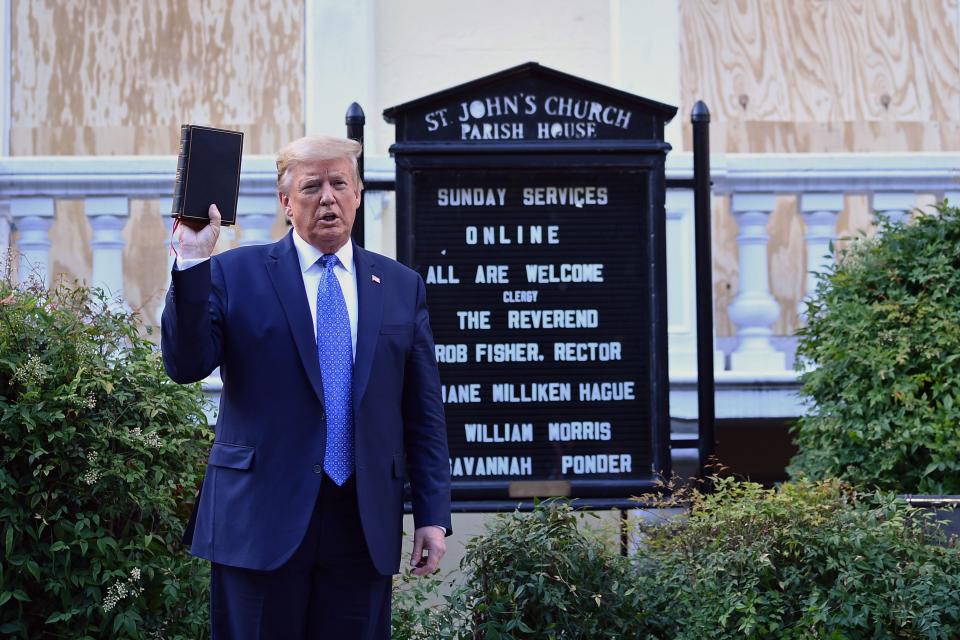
[754, 375]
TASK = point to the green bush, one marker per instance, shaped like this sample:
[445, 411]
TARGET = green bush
[806, 561]
[544, 575]
[101, 454]
[880, 357]
[537, 575]
[422, 611]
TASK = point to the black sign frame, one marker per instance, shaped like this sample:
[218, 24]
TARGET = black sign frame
[643, 157]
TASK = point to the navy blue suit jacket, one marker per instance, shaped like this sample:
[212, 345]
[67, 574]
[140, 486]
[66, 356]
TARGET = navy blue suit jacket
[245, 310]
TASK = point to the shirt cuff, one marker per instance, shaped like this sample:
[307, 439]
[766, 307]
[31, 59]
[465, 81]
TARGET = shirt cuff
[185, 263]
[441, 527]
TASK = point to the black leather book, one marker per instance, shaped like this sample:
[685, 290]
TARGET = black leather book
[208, 172]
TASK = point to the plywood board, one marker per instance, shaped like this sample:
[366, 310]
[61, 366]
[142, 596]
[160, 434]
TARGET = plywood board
[726, 268]
[809, 75]
[71, 258]
[113, 77]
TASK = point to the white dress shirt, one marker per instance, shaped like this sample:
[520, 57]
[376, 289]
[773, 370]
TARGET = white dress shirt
[346, 276]
[308, 255]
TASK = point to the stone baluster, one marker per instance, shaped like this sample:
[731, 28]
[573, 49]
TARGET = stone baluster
[32, 217]
[754, 309]
[108, 215]
[819, 211]
[256, 215]
[6, 226]
[896, 205]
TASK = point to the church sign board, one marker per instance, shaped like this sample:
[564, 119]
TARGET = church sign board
[532, 204]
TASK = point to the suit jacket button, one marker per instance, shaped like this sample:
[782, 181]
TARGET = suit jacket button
[318, 469]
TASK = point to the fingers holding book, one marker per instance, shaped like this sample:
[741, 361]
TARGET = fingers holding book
[197, 238]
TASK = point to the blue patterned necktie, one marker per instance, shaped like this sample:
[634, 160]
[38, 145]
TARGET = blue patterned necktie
[335, 350]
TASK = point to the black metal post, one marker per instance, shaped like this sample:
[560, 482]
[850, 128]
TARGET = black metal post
[355, 121]
[707, 445]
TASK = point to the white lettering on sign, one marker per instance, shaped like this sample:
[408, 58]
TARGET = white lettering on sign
[566, 130]
[472, 197]
[494, 117]
[602, 391]
[491, 274]
[510, 234]
[586, 351]
[588, 110]
[491, 466]
[450, 353]
[531, 392]
[508, 352]
[520, 296]
[547, 273]
[470, 320]
[436, 119]
[602, 463]
[563, 196]
[507, 432]
[578, 430]
[492, 131]
[493, 106]
[553, 319]
[460, 393]
[438, 274]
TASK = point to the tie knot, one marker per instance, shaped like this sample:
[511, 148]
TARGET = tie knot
[329, 260]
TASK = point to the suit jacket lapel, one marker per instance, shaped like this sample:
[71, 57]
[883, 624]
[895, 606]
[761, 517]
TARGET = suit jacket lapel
[284, 269]
[370, 305]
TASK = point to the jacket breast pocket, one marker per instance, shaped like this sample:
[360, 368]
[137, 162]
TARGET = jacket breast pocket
[231, 456]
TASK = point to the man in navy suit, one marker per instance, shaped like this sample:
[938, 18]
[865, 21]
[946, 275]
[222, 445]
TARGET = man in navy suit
[331, 396]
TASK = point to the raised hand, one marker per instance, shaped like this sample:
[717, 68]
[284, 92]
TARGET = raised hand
[197, 238]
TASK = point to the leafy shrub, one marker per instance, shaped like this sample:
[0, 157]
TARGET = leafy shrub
[805, 561]
[100, 452]
[881, 361]
[422, 611]
[536, 575]
[543, 576]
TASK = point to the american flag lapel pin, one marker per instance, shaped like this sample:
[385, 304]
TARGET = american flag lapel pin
[375, 279]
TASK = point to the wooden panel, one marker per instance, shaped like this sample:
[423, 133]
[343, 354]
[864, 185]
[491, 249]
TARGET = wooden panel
[145, 259]
[726, 269]
[809, 75]
[787, 260]
[114, 77]
[855, 220]
[71, 257]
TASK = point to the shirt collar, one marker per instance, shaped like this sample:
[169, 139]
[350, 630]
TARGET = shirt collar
[309, 254]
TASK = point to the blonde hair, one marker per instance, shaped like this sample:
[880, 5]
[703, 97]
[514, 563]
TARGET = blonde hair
[314, 148]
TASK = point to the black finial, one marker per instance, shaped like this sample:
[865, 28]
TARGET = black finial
[700, 112]
[355, 114]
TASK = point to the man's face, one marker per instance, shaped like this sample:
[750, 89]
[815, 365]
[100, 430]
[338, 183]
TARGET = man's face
[322, 202]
